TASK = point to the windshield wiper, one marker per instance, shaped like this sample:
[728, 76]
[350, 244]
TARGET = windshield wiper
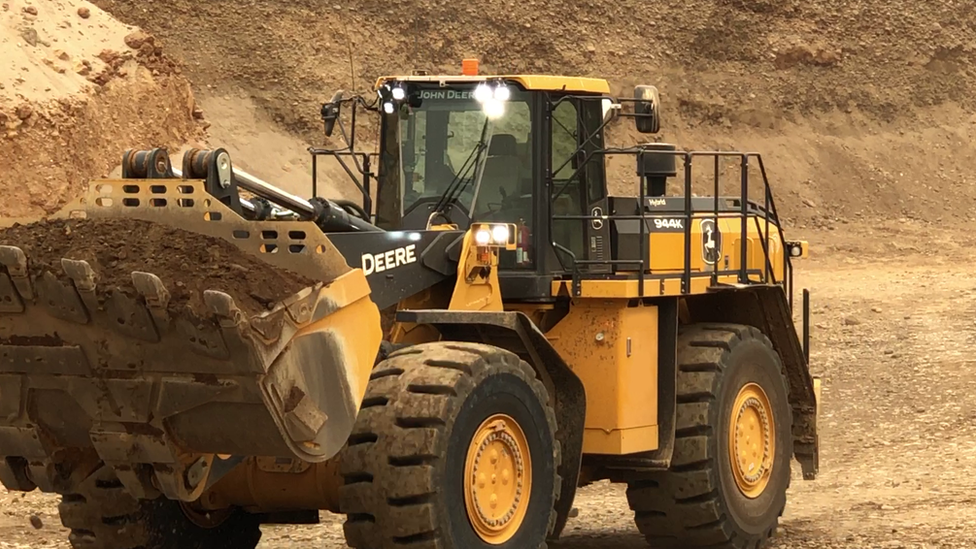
[460, 182]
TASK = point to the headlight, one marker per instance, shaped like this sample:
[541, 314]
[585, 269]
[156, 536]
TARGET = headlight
[482, 237]
[493, 234]
[499, 233]
[399, 94]
[502, 93]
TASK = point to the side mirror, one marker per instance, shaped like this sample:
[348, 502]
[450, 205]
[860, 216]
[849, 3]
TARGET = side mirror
[647, 109]
[330, 112]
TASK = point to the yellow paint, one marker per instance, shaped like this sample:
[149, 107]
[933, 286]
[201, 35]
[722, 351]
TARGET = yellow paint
[621, 384]
[356, 322]
[477, 287]
[752, 440]
[257, 488]
[625, 289]
[619, 441]
[533, 82]
[666, 257]
[497, 479]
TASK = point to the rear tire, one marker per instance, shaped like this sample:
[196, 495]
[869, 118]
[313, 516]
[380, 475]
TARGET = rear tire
[102, 515]
[435, 416]
[730, 380]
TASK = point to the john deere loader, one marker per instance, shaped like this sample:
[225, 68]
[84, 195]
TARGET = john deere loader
[188, 352]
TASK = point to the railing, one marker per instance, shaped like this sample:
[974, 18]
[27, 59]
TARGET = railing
[763, 218]
[361, 160]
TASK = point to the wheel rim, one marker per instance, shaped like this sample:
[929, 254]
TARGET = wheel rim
[497, 479]
[752, 440]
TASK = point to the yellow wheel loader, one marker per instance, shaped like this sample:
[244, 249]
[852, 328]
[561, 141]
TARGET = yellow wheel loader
[189, 353]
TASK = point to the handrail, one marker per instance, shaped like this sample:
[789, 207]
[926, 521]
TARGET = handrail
[767, 211]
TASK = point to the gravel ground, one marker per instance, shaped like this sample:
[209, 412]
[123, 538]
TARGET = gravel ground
[891, 339]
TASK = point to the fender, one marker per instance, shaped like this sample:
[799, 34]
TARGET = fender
[768, 309]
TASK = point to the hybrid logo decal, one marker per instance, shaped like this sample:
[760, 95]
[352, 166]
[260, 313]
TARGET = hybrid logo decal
[377, 263]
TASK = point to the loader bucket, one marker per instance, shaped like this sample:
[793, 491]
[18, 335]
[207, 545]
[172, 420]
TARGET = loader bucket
[149, 327]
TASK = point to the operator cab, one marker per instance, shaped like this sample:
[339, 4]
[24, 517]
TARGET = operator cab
[500, 149]
[529, 151]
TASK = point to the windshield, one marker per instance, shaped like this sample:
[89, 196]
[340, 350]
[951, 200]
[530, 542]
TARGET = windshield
[439, 143]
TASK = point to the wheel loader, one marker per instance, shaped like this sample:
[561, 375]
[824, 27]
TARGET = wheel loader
[187, 353]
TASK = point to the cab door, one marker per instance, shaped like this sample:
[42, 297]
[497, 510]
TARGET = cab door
[579, 192]
[594, 183]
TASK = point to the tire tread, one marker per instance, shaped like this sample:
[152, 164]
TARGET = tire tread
[682, 507]
[390, 487]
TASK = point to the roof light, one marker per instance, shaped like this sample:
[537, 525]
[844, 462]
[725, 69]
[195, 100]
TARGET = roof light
[399, 93]
[482, 93]
[502, 93]
[388, 107]
[469, 67]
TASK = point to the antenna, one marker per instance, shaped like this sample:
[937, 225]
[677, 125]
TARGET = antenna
[352, 67]
[416, 35]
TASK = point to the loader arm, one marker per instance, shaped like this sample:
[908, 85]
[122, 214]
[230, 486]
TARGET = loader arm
[152, 327]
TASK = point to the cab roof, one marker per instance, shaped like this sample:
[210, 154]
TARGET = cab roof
[532, 82]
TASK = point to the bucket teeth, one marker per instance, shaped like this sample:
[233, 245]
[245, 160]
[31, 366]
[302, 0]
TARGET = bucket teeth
[224, 307]
[80, 272]
[152, 289]
[61, 300]
[15, 260]
[10, 301]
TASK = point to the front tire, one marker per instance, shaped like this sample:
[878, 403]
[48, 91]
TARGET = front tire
[454, 447]
[102, 515]
[731, 465]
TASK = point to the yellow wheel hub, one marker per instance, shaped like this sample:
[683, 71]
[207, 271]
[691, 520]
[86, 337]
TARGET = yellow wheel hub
[752, 440]
[497, 479]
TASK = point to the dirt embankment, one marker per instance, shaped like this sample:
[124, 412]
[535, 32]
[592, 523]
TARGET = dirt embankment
[77, 88]
[862, 111]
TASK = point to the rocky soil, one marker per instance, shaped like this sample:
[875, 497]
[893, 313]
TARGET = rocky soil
[77, 88]
[863, 109]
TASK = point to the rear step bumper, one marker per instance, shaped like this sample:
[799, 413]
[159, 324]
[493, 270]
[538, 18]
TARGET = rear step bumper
[91, 375]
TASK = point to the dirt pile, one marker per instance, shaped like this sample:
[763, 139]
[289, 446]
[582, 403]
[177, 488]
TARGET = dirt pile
[187, 263]
[76, 89]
